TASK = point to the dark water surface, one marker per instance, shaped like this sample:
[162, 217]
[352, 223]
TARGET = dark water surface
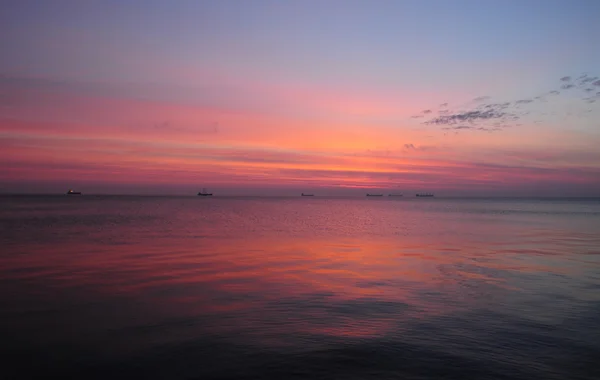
[249, 288]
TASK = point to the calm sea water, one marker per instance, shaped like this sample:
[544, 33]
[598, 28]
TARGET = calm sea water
[248, 288]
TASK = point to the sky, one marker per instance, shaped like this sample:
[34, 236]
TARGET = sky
[494, 97]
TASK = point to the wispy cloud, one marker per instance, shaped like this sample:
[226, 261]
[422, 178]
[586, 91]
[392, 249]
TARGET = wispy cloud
[459, 127]
[524, 101]
[586, 79]
[491, 112]
[486, 116]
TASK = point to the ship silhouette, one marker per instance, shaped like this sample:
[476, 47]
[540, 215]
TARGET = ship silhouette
[203, 193]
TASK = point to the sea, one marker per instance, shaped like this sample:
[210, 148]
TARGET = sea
[106, 287]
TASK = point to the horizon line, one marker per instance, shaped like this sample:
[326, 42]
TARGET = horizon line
[314, 195]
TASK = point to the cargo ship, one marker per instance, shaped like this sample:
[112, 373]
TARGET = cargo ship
[203, 193]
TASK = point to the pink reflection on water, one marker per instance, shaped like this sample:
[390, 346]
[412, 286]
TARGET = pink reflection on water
[268, 270]
[352, 288]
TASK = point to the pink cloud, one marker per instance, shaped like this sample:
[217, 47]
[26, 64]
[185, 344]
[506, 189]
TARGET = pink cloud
[60, 135]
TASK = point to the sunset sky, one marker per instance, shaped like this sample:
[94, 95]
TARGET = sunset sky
[493, 97]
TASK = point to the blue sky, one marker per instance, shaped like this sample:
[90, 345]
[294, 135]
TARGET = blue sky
[413, 43]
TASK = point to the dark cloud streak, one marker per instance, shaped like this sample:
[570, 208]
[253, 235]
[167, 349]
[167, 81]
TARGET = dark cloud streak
[486, 116]
[469, 116]
[524, 101]
[458, 127]
[587, 80]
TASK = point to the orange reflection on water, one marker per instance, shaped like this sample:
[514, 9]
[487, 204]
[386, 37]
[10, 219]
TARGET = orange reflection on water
[350, 288]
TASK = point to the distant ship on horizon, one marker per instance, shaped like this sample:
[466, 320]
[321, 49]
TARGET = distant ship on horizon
[424, 195]
[394, 195]
[307, 195]
[374, 195]
[203, 193]
[71, 192]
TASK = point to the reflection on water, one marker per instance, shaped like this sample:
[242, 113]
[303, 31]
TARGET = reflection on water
[305, 288]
